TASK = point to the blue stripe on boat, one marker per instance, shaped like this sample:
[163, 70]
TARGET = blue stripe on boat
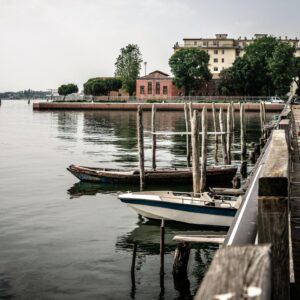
[220, 211]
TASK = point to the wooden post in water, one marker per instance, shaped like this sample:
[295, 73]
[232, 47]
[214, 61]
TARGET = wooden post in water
[162, 246]
[153, 137]
[140, 132]
[232, 117]
[215, 129]
[187, 128]
[243, 131]
[203, 150]
[223, 137]
[273, 224]
[191, 110]
[195, 152]
[261, 115]
[229, 134]
[181, 259]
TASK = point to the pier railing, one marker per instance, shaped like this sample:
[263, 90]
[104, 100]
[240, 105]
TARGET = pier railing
[254, 259]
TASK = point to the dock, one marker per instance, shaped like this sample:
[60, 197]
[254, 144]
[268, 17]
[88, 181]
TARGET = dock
[260, 255]
[148, 106]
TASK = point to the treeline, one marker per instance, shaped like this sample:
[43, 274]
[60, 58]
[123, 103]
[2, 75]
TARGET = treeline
[268, 67]
[26, 94]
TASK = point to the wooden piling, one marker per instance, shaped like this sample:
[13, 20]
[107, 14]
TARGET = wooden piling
[243, 137]
[162, 246]
[273, 225]
[187, 128]
[223, 137]
[232, 117]
[228, 149]
[140, 133]
[203, 150]
[191, 110]
[181, 259]
[215, 129]
[261, 115]
[153, 128]
[195, 152]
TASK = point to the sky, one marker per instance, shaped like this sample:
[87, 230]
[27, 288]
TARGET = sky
[46, 43]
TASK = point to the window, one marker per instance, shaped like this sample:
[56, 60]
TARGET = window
[195, 43]
[157, 88]
[142, 90]
[215, 43]
[215, 60]
[215, 51]
[149, 88]
[204, 43]
[216, 69]
[223, 51]
[223, 60]
[165, 90]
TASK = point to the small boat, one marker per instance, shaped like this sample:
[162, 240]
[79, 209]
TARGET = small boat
[159, 176]
[183, 207]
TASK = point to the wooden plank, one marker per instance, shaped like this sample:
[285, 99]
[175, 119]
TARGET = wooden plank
[208, 239]
[273, 225]
[238, 273]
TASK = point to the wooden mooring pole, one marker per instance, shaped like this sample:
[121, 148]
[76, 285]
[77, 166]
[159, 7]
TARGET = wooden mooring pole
[162, 246]
[181, 259]
[223, 137]
[229, 128]
[273, 225]
[195, 152]
[215, 129]
[203, 150]
[140, 132]
[187, 128]
[133, 266]
[243, 169]
[153, 128]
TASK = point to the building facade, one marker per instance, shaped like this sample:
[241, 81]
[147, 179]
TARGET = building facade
[156, 85]
[223, 50]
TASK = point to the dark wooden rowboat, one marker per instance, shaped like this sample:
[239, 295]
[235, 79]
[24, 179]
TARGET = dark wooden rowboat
[214, 174]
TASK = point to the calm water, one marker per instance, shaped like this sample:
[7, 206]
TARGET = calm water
[65, 240]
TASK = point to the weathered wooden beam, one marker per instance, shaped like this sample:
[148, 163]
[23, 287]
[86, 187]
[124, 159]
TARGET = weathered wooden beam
[140, 133]
[153, 128]
[273, 225]
[238, 273]
[162, 246]
[181, 259]
[215, 129]
[203, 151]
[243, 131]
[223, 139]
[207, 239]
[229, 128]
[195, 152]
[188, 148]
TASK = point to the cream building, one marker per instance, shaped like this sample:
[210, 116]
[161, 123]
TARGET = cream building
[223, 50]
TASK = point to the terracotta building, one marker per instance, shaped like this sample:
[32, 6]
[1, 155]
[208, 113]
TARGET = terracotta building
[156, 85]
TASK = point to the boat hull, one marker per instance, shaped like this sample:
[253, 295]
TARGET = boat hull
[179, 176]
[190, 214]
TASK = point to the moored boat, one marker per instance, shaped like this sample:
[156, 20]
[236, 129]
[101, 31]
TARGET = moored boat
[214, 174]
[183, 207]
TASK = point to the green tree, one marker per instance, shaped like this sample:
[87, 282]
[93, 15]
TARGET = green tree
[190, 69]
[101, 86]
[296, 74]
[67, 89]
[281, 67]
[128, 66]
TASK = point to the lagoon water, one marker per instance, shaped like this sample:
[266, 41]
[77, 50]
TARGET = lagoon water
[60, 239]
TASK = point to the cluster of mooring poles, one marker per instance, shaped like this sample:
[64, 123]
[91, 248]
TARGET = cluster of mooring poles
[223, 133]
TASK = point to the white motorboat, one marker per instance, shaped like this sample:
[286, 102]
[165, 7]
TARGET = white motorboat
[203, 209]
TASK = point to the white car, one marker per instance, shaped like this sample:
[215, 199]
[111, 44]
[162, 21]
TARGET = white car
[276, 99]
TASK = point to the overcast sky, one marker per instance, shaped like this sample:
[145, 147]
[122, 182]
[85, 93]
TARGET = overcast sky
[45, 43]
